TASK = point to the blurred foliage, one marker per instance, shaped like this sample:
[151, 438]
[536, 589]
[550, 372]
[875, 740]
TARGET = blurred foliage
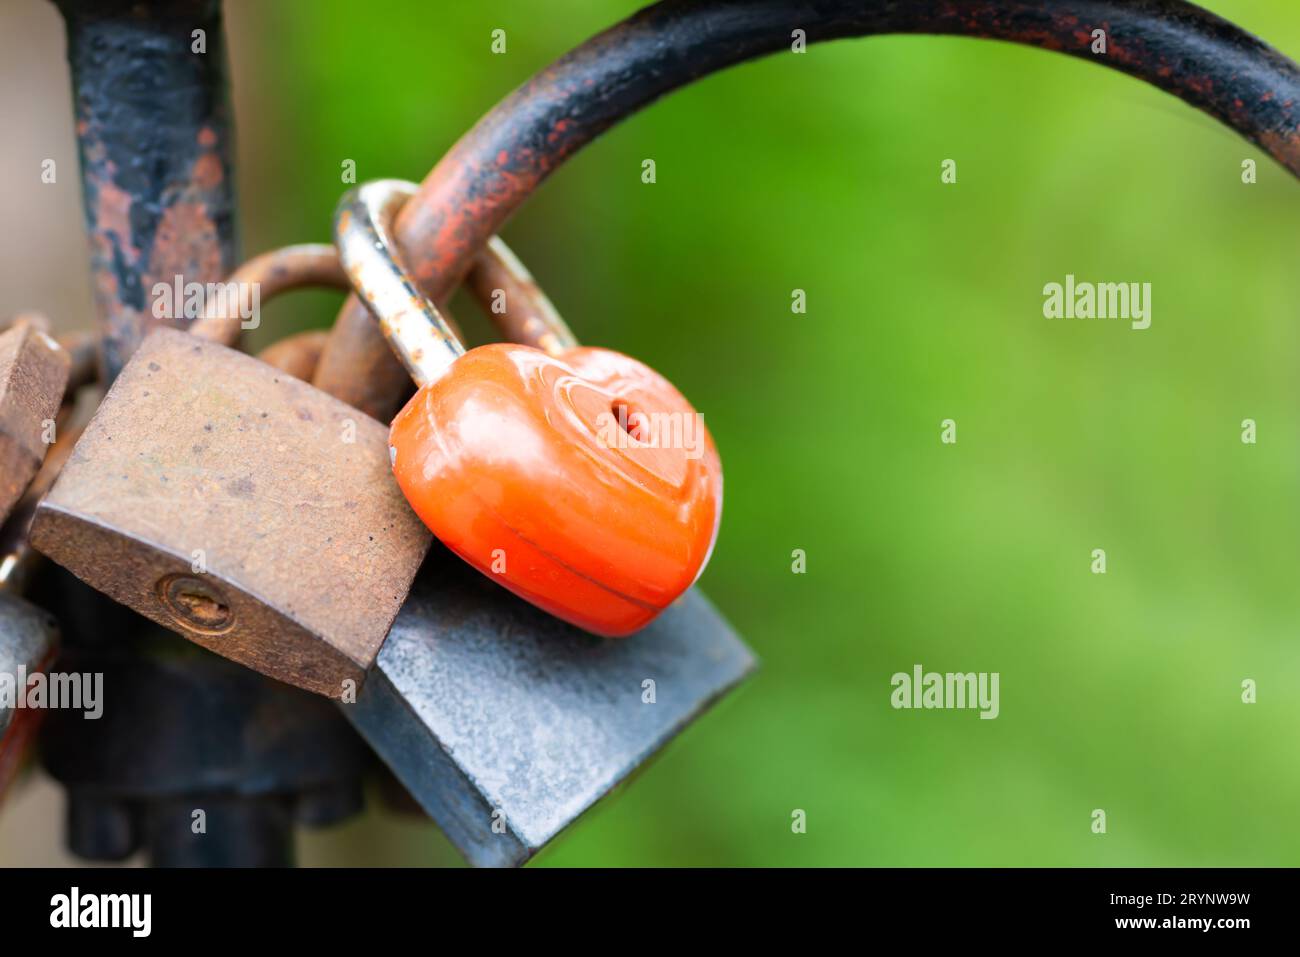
[821, 172]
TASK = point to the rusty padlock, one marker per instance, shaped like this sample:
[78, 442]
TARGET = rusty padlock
[237, 505]
[34, 372]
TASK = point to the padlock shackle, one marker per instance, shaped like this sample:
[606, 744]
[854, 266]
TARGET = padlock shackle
[301, 266]
[526, 314]
[418, 334]
[1203, 59]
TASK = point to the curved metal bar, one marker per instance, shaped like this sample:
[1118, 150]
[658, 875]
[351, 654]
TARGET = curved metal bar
[280, 270]
[418, 332]
[523, 313]
[296, 354]
[1180, 48]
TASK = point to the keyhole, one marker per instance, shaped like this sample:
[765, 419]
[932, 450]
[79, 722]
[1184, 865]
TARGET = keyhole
[196, 604]
[630, 420]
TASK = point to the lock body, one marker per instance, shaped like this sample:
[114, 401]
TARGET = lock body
[240, 507]
[525, 465]
[506, 724]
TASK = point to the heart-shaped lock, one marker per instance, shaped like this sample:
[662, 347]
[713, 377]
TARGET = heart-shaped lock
[580, 479]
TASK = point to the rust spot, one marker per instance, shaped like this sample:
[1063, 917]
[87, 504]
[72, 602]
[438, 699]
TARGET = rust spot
[185, 245]
[195, 604]
[113, 216]
[208, 173]
[1284, 146]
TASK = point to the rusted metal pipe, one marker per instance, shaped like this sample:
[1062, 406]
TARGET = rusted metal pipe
[153, 133]
[1180, 48]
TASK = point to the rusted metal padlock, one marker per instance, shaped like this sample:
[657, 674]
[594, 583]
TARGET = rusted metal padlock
[584, 482]
[185, 730]
[237, 505]
[34, 371]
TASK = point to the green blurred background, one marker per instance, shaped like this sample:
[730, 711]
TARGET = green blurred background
[821, 172]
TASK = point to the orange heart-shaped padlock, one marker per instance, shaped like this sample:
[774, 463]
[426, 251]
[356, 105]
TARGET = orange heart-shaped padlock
[580, 479]
[531, 468]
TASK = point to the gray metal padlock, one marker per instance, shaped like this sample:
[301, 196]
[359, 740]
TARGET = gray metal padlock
[506, 724]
